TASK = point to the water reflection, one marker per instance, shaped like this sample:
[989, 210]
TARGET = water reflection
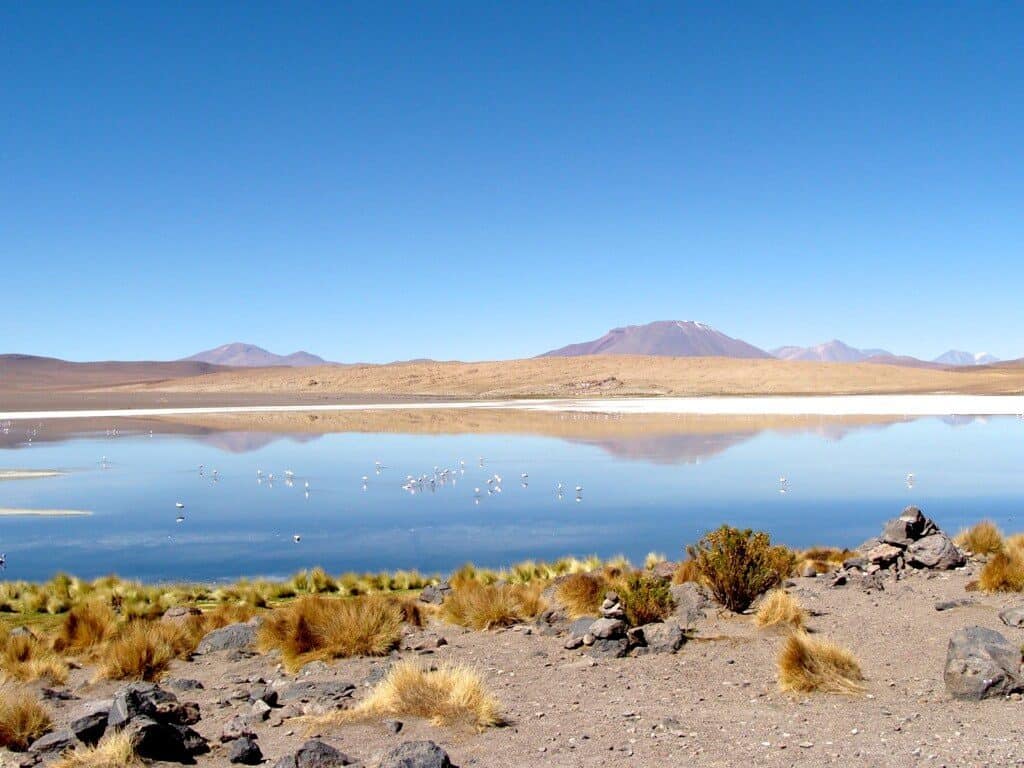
[652, 483]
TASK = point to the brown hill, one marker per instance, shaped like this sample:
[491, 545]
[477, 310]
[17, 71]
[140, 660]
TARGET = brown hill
[672, 338]
[30, 373]
[600, 376]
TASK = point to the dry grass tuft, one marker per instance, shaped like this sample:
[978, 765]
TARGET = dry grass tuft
[985, 538]
[448, 696]
[809, 665]
[26, 658]
[1004, 572]
[487, 606]
[22, 718]
[320, 628]
[143, 650]
[582, 594]
[779, 608]
[113, 751]
[85, 627]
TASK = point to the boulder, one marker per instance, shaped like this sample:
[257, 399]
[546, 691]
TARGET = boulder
[661, 637]
[416, 754]
[982, 664]
[89, 722]
[1013, 617]
[235, 728]
[611, 648]
[233, 636]
[859, 563]
[435, 593]
[691, 601]
[245, 751]
[138, 699]
[910, 526]
[159, 741]
[606, 629]
[580, 627]
[883, 554]
[936, 551]
[53, 742]
[314, 754]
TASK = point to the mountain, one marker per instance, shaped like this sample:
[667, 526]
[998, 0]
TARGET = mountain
[833, 351]
[669, 338]
[31, 372]
[250, 356]
[959, 358]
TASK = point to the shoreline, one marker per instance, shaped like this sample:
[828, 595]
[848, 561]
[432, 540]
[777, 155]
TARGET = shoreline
[782, 405]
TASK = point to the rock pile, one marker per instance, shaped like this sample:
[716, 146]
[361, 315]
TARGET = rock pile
[910, 541]
[611, 636]
[158, 723]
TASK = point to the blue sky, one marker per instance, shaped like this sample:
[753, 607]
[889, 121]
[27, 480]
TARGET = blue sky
[476, 180]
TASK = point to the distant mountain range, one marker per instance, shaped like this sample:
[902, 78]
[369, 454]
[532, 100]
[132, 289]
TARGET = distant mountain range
[957, 357]
[243, 355]
[673, 338]
[688, 338]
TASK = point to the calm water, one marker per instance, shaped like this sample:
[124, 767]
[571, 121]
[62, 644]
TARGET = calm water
[641, 493]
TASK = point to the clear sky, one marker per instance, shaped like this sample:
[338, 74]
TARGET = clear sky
[378, 181]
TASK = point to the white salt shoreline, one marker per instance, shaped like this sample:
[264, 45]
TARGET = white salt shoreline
[819, 405]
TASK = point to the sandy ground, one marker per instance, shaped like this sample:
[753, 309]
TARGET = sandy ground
[604, 376]
[715, 703]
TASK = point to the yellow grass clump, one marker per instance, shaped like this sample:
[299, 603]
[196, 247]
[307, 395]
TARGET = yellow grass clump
[85, 627]
[984, 538]
[22, 718]
[582, 594]
[320, 628]
[1004, 572]
[809, 665]
[113, 751]
[685, 572]
[24, 657]
[487, 606]
[779, 608]
[447, 696]
[143, 650]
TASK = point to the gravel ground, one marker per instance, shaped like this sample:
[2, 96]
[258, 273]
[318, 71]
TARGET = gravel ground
[714, 703]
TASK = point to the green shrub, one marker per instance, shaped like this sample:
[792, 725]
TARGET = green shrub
[739, 565]
[646, 599]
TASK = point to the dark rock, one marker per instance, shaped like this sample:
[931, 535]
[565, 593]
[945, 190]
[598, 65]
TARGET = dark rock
[194, 743]
[245, 751]
[572, 643]
[661, 637]
[314, 754]
[139, 699]
[435, 593]
[316, 690]
[157, 741]
[937, 551]
[858, 563]
[982, 664]
[948, 605]
[54, 742]
[90, 721]
[839, 580]
[910, 526]
[416, 754]
[264, 693]
[57, 694]
[1013, 617]
[394, 726]
[233, 636]
[611, 648]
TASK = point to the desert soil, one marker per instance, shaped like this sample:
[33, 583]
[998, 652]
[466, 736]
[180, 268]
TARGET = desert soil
[714, 703]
